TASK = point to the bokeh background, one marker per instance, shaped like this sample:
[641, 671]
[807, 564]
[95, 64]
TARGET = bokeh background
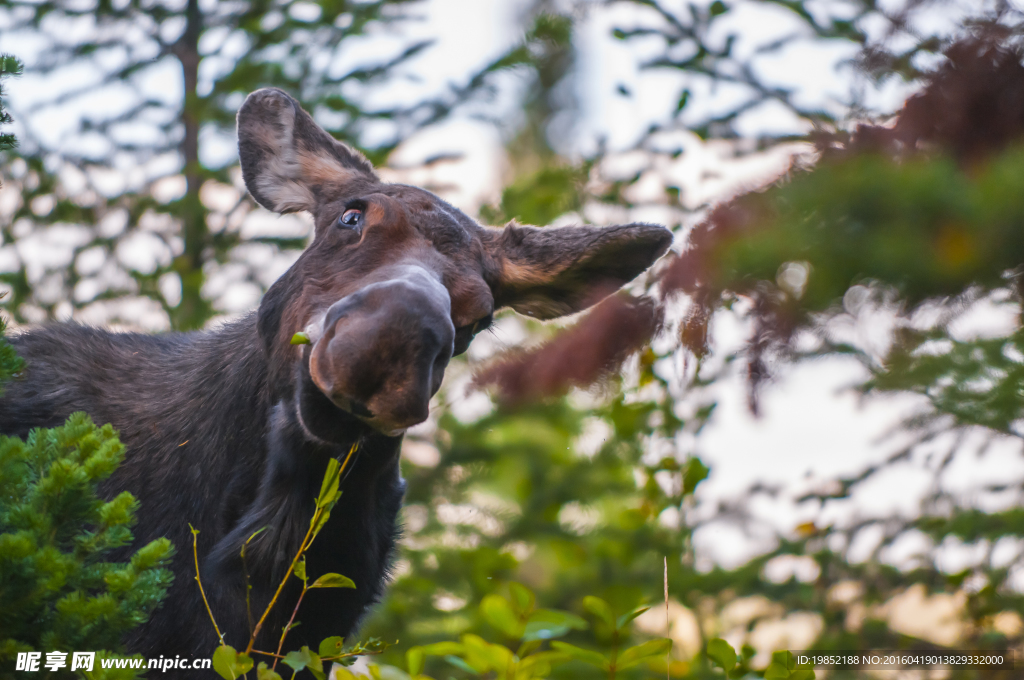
[810, 411]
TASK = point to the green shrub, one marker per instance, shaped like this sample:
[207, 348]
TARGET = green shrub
[57, 591]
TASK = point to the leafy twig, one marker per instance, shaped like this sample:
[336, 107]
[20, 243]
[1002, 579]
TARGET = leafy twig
[245, 575]
[195, 555]
[329, 494]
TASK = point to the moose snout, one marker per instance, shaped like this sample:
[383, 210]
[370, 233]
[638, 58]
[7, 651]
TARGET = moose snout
[382, 350]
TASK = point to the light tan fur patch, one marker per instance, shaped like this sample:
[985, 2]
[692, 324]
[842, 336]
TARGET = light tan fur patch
[322, 169]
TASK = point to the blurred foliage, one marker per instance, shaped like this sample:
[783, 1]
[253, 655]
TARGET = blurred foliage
[57, 592]
[539, 197]
[580, 501]
[527, 628]
[925, 227]
[562, 519]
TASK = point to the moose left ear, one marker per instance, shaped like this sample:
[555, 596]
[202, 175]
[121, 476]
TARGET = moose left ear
[550, 272]
[287, 159]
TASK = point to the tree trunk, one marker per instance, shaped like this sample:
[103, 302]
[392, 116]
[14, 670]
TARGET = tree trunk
[193, 309]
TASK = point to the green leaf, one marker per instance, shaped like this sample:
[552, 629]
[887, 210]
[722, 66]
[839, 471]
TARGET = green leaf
[585, 655]
[443, 648]
[684, 99]
[538, 665]
[459, 663]
[264, 673]
[341, 673]
[333, 581]
[300, 338]
[484, 655]
[331, 646]
[545, 624]
[499, 613]
[229, 663]
[316, 666]
[324, 516]
[304, 658]
[296, 660]
[783, 667]
[717, 8]
[722, 653]
[523, 599]
[414, 660]
[635, 655]
[600, 609]
[785, 659]
[696, 472]
[626, 618]
[300, 569]
[329, 487]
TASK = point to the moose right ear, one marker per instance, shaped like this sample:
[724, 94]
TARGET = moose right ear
[555, 271]
[287, 159]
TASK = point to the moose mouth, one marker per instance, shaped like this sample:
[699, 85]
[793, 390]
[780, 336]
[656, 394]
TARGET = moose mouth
[380, 353]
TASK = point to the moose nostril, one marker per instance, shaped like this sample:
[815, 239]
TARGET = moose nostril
[443, 355]
[415, 412]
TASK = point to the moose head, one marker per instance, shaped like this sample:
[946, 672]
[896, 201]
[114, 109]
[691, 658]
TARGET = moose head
[396, 280]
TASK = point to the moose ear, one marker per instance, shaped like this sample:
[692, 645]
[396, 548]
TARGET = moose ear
[555, 271]
[287, 159]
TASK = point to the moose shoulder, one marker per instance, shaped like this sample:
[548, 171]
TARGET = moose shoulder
[231, 430]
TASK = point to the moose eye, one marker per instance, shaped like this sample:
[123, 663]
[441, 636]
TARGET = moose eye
[483, 324]
[465, 334]
[351, 218]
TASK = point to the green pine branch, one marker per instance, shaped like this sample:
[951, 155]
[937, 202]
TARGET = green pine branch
[57, 589]
[9, 66]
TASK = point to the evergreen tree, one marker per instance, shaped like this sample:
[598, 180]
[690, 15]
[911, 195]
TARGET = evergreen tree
[57, 592]
[9, 66]
[10, 363]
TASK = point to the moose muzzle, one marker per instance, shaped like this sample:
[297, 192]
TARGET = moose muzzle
[380, 352]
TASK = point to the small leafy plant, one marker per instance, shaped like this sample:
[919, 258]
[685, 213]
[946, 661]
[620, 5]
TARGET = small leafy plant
[231, 663]
[516, 617]
[528, 648]
[783, 665]
[530, 632]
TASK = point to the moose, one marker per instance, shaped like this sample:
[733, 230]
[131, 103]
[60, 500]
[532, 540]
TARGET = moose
[231, 430]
